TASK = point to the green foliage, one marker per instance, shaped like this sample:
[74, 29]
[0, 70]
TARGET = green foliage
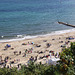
[67, 61]
[12, 71]
[71, 70]
[3, 71]
[73, 48]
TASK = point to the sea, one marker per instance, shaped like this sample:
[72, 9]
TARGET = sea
[24, 19]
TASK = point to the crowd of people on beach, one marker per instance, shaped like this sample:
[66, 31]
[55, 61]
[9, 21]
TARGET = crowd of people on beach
[49, 54]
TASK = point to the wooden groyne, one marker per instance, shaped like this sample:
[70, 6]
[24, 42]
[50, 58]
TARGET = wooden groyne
[66, 24]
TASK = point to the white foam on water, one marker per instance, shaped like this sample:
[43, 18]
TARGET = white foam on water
[2, 36]
[22, 37]
[19, 36]
[59, 32]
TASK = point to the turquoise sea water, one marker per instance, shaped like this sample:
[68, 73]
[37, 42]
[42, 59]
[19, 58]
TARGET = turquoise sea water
[22, 18]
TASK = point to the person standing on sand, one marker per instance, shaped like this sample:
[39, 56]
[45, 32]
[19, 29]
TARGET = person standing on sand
[10, 64]
[50, 54]
[25, 54]
[35, 58]
[32, 58]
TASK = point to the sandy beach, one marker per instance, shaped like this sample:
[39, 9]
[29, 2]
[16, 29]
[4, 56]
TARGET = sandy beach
[21, 51]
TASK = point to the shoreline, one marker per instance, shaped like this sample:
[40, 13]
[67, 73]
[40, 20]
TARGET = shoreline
[38, 48]
[22, 37]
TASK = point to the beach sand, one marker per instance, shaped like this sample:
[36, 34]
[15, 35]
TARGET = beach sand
[54, 40]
